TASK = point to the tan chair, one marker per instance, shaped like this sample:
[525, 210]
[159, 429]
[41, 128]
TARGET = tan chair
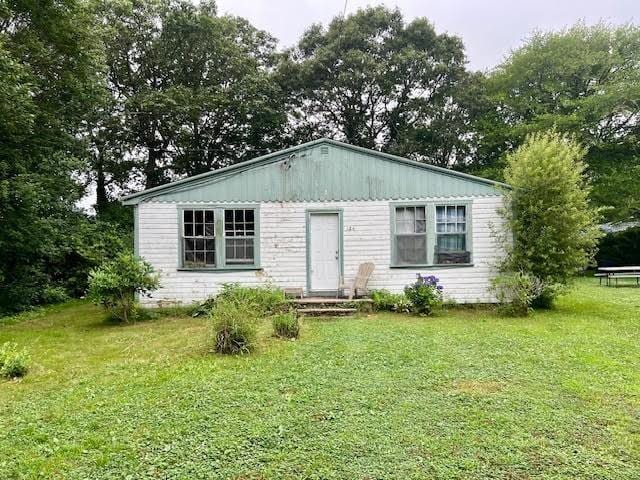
[359, 284]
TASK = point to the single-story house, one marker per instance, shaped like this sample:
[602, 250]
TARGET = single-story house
[308, 215]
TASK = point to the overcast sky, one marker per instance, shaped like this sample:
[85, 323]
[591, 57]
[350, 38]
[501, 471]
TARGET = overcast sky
[489, 28]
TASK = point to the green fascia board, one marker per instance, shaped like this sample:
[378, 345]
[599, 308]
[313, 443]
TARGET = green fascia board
[321, 170]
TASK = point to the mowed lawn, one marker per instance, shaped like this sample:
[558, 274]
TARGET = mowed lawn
[466, 394]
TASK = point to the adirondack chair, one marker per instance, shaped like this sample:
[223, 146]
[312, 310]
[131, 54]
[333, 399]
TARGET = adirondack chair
[359, 283]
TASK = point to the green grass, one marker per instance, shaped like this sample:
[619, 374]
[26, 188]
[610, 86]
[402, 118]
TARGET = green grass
[466, 394]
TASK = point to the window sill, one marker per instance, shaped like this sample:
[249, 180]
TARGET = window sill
[234, 268]
[434, 266]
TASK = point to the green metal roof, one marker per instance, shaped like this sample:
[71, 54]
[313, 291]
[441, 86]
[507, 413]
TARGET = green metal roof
[321, 170]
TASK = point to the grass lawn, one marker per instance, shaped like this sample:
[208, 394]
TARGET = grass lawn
[465, 394]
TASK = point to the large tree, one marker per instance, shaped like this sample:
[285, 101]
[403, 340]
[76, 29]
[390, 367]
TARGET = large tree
[193, 90]
[584, 81]
[50, 64]
[375, 81]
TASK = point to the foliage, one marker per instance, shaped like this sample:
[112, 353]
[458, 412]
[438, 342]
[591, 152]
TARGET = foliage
[115, 284]
[619, 248]
[13, 362]
[286, 325]
[384, 300]
[263, 300]
[380, 380]
[50, 65]
[553, 228]
[377, 82]
[192, 91]
[516, 293]
[234, 326]
[584, 81]
[425, 294]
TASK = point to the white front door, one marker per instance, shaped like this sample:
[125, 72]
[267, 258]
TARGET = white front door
[324, 245]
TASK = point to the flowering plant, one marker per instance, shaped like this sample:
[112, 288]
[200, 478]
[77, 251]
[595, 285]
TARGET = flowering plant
[425, 294]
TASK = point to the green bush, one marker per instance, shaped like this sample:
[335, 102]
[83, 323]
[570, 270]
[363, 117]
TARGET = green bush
[234, 326]
[552, 229]
[265, 300]
[620, 248]
[384, 300]
[286, 325]
[516, 293]
[13, 362]
[425, 294]
[115, 285]
[54, 294]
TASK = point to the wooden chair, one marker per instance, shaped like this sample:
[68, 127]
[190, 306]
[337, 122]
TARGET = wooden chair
[359, 283]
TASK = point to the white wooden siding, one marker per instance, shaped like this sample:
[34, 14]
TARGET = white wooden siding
[283, 250]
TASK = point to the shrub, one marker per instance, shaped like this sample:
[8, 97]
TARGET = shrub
[54, 294]
[552, 228]
[384, 300]
[115, 285]
[265, 300]
[425, 294]
[13, 362]
[234, 326]
[286, 325]
[620, 248]
[516, 293]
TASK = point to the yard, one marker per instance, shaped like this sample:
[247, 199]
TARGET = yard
[465, 394]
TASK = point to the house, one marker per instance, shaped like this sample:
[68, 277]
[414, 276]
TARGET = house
[305, 216]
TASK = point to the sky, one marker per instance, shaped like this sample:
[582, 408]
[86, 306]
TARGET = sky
[490, 28]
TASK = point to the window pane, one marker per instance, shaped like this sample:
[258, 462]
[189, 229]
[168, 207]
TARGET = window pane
[199, 230]
[239, 215]
[421, 226]
[211, 258]
[199, 258]
[405, 220]
[411, 250]
[451, 243]
[420, 213]
[461, 213]
[188, 229]
[440, 214]
[239, 250]
[208, 216]
[199, 216]
[188, 216]
[248, 216]
[209, 230]
[188, 244]
[188, 258]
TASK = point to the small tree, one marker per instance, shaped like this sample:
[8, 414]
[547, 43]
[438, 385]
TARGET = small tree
[553, 226]
[115, 284]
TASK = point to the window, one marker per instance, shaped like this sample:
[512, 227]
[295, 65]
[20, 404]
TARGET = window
[451, 235]
[239, 231]
[219, 238]
[199, 238]
[410, 235]
[431, 234]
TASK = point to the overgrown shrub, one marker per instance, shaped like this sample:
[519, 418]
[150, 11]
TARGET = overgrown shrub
[552, 229]
[425, 294]
[234, 326]
[54, 294]
[13, 362]
[265, 300]
[384, 300]
[286, 325]
[620, 248]
[516, 293]
[115, 285]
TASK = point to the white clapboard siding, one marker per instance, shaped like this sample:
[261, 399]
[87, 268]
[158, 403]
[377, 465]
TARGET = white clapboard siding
[283, 250]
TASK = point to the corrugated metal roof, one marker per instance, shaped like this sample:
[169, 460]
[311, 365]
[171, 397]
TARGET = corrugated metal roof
[322, 170]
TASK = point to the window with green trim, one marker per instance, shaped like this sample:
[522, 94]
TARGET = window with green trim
[451, 235]
[410, 235]
[430, 234]
[221, 238]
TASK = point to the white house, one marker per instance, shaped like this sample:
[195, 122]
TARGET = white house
[305, 216]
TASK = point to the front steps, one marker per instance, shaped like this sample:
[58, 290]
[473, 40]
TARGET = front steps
[329, 307]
